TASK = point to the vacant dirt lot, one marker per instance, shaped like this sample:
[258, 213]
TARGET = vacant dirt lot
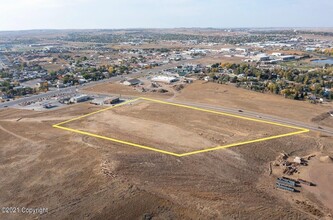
[320, 172]
[172, 128]
[122, 90]
[81, 177]
[230, 96]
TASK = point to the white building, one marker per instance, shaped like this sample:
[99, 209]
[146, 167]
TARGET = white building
[241, 50]
[277, 54]
[81, 81]
[79, 98]
[310, 49]
[164, 79]
[227, 50]
[98, 101]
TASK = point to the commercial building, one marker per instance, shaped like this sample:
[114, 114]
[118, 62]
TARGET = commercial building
[164, 79]
[287, 57]
[79, 98]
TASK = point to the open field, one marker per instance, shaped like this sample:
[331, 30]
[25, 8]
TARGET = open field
[319, 172]
[174, 129]
[82, 177]
[232, 97]
[208, 60]
[122, 90]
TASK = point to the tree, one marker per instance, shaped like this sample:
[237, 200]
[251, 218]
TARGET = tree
[286, 92]
[306, 79]
[86, 75]
[215, 65]
[44, 86]
[273, 88]
[212, 75]
[214, 70]
[110, 69]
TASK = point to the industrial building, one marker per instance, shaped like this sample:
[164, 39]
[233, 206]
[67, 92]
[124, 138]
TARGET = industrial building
[79, 98]
[164, 79]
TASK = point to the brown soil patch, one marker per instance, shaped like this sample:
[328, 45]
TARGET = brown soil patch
[80, 177]
[172, 128]
[230, 96]
[119, 89]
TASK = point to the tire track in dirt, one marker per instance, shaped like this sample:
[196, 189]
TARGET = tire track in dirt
[16, 135]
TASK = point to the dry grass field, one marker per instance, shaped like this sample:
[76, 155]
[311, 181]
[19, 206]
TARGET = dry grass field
[172, 128]
[230, 96]
[122, 90]
[81, 177]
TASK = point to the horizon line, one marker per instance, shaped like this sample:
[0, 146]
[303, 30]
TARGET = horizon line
[165, 28]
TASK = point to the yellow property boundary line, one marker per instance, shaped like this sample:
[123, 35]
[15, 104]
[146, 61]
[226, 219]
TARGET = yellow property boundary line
[300, 130]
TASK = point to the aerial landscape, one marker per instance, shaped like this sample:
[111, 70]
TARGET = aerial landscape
[171, 119]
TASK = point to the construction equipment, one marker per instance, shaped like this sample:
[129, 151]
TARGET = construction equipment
[305, 182]
[284, 187]
[288, 178]
[286, 182]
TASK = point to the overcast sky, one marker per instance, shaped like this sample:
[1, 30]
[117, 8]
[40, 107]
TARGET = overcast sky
[81, 14]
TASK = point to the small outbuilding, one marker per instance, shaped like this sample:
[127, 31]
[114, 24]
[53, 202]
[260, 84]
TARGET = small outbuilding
[97, 101]
[112, 100]
[105, 101]
[132, 82]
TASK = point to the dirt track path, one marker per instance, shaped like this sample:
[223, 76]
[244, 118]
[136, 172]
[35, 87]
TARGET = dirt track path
[15, 135]
[40, 119]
